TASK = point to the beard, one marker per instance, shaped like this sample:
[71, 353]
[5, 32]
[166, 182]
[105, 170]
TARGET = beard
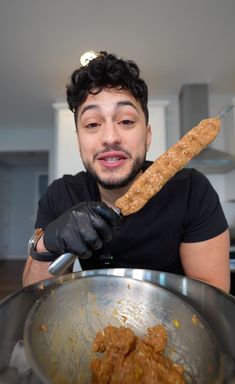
[115, 183]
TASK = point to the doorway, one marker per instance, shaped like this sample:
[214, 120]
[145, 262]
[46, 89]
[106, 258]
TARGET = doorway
[20, 190]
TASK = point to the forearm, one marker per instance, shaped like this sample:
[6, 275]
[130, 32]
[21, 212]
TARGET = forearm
[34, 270]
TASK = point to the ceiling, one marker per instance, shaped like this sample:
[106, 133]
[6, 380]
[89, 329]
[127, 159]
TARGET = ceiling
[174, 42]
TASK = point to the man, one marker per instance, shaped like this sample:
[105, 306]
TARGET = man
[181, 230]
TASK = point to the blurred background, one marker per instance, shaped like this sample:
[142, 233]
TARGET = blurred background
[185, 49]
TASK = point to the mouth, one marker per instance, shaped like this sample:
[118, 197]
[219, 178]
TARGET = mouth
[112, 159]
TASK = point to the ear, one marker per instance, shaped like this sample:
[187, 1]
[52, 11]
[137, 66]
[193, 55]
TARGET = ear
[149, 136]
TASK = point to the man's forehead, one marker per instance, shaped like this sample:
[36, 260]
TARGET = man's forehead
[109, 98]
[109, 93]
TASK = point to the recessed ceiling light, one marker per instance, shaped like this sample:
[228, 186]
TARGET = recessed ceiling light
[87, 57]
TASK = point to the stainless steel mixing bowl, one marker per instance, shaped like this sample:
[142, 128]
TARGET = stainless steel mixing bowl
[62, 324]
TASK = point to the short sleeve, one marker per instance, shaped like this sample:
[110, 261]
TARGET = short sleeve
[204, 217]
[47, 206]
[63, 194]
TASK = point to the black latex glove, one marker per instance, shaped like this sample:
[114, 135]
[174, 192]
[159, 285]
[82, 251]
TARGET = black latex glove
[81, 229]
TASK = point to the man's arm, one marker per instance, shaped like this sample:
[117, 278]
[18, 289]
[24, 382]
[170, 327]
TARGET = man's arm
[34, 270]
[208, 260]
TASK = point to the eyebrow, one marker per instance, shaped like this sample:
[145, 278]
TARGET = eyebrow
[119, 104]
[126, 102]
[87, 107]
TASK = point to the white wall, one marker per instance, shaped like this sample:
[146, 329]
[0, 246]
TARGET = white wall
[24, 139]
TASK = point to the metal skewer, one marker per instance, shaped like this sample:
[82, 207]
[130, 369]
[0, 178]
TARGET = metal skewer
[225, 111]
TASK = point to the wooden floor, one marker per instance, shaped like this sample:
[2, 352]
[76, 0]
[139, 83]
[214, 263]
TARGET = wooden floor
[10, 276]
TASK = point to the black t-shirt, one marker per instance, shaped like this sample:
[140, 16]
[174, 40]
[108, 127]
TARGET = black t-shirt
[187, 209]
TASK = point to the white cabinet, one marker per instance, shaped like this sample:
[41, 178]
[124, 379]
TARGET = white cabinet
[65, 155]
[157, 120]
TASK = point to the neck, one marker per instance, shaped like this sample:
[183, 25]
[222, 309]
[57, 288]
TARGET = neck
[109, 196]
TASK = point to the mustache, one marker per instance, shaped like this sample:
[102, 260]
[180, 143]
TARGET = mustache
[114, 147]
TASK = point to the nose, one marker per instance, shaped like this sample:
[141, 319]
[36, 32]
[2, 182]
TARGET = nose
[110, 134]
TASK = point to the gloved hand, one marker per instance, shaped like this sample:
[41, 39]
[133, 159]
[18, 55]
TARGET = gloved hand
[81, 229]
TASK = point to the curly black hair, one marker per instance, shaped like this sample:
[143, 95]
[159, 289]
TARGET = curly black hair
[106, 71]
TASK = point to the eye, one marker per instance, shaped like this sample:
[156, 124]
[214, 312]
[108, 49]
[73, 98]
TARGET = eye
[92, 125]
[126, 122]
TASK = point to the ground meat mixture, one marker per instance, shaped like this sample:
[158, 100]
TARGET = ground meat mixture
[128, 359]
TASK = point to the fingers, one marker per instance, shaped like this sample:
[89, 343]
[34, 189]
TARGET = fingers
[85, 230]
[102, 227]
[108, 214]
[91, 230]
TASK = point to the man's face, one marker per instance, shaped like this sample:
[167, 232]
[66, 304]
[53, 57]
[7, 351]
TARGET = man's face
[113, 137]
